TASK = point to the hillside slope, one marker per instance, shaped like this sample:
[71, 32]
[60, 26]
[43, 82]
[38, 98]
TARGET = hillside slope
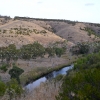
[71, 31]
[24, 32]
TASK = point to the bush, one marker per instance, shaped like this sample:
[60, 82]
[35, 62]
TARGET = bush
[15, 87]
[59, 51]
[15, 72]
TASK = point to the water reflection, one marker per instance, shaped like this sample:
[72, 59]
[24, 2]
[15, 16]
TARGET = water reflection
[60, 72]
[36, 83]
[51, 75]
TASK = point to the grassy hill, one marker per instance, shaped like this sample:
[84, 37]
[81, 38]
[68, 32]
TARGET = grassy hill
[23, 32]
[74, 32]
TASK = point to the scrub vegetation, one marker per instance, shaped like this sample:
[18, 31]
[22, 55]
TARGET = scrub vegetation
[83, 82]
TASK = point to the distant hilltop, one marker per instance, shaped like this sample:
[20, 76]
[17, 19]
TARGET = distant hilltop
[6, 17]
[44, 19]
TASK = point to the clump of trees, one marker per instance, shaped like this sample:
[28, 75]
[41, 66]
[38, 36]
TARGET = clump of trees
[29, 51]
[80, 48]
[32, 51]
[86, 48]
[11, 54]
[57, 49]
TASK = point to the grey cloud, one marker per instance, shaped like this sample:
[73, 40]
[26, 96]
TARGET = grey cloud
[89, 4]
[39, 2]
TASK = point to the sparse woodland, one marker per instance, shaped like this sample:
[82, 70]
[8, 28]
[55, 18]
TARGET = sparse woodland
[33, 47]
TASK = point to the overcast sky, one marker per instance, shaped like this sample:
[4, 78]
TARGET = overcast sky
[76, 10]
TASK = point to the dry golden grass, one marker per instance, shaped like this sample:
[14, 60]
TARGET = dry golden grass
[22, 32]
[46, 91]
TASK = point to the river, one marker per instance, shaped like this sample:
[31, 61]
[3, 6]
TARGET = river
[49, 76]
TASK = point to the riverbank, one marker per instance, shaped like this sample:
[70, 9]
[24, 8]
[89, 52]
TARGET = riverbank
[34, 73]
[36, 68]
[38, 72]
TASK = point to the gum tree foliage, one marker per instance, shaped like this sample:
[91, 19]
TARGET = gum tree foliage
[59, 51]
[57, 48]
[37, 50]
[11, 53]
[32, 51]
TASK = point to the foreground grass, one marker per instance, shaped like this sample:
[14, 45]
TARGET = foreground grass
[46, 91]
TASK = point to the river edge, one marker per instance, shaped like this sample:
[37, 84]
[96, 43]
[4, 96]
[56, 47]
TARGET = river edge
[29, 79]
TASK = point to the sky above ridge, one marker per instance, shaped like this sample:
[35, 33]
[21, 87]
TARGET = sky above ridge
[75, 10]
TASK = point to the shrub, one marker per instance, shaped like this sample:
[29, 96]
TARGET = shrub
[15, 87]
[83, 85]
[15, 72]
[11, 88]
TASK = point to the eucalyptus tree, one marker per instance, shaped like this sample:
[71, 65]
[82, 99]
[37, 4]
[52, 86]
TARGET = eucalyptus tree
[37, 50]
[59, 51]
[11, 53]
[50, 51]
[32, 51]
[25, 52]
